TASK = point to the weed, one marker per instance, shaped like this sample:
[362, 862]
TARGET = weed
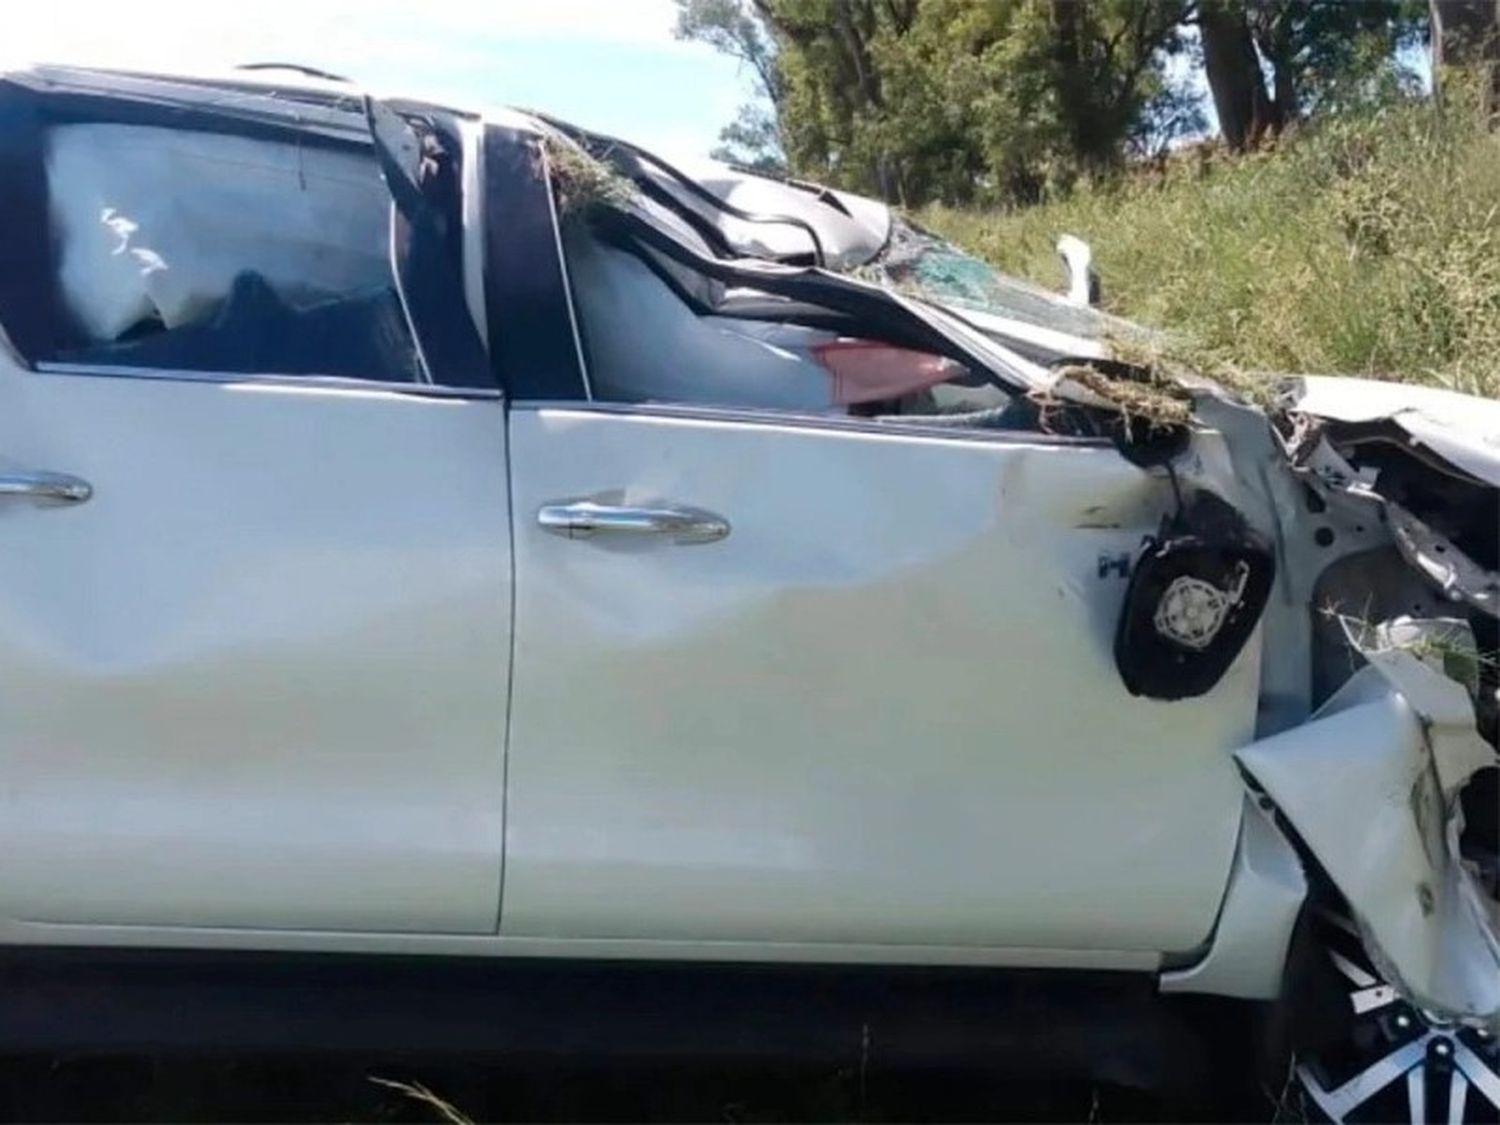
[420, 1093]
[579, 180]
[1366, 245]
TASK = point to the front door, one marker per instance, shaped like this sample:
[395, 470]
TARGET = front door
[881, 710]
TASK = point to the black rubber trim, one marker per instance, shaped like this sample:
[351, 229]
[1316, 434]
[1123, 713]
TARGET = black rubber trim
[429, 253]
[87, 107]
[530, 321]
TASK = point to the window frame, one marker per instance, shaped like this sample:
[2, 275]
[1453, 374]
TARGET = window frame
[526, 278]
[527, 183]
[66, 97]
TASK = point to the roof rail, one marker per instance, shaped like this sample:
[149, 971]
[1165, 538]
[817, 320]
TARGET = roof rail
[310, 71]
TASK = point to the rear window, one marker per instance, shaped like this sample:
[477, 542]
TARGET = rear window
[200, 251]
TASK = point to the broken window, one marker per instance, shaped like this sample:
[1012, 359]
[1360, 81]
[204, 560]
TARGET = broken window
[655, 330]
[201, 251]
[916, 261]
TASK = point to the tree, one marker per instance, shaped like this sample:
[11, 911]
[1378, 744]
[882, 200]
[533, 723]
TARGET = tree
[1466, 34]
[1232, 68]
[1307, 50]
[834, 105]
[1107, 71]
[752, 140]
[923, 99]
[1315, 49]
[1006, 100]
[737, 28]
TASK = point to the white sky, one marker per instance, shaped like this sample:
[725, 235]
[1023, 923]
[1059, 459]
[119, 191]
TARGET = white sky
[611, 65]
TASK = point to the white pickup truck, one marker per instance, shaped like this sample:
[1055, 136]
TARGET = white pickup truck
[459, 540]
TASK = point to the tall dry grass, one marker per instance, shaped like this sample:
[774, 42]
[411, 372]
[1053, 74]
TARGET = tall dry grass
[1366, 245]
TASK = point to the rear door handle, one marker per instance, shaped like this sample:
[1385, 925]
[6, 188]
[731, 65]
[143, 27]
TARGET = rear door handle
[57, 488]
[584, 519]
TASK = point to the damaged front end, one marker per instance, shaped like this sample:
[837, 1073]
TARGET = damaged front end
[1371, 787]
[1372, 802]
[1376, 749]
[1385, 786]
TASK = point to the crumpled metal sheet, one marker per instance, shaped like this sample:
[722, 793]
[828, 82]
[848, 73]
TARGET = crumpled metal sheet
[1431, 554]
[1371, 786]
[1439, 560]
[1464, 430]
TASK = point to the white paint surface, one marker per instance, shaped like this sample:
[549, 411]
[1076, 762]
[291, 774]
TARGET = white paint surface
[884, 709]
[259, 679]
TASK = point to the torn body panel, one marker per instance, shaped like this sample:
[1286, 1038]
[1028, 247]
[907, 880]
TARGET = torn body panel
[1370, 786]
[1442, 563]
[1430, 459]
[1382, 544]
[1461, 429]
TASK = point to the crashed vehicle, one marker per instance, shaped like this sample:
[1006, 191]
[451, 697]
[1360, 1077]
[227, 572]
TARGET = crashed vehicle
[484, 551]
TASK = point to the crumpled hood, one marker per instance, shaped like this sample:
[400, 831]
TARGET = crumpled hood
[1462, 429]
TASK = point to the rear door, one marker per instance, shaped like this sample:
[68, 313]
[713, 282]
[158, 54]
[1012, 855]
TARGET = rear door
[255, 584]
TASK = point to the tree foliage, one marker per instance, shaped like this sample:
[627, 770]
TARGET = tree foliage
[752, 140]
[948, 99]
[1269, 63]
[1466, 36]
[738, 28]
[1008, 100]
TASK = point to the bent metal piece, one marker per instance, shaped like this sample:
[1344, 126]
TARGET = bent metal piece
[1371, 786]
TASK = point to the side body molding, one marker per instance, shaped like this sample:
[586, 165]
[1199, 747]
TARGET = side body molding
[1371, 785]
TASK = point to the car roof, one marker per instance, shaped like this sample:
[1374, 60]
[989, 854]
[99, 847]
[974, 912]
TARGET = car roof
[290, 94]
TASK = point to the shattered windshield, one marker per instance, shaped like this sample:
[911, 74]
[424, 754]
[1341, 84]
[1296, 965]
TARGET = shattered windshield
[927, 266]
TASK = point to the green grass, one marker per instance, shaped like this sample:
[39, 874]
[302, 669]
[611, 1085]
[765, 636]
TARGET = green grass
[1368, 245]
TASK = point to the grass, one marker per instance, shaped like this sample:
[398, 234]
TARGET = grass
[579, 180]
[1367, 245]
[446, 1111]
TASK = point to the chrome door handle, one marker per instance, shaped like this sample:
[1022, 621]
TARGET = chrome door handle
[583, 519]
[59, 488]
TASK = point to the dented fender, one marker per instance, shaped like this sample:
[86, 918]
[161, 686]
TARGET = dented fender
[1369, 785]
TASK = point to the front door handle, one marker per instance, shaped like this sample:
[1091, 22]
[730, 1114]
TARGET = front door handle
[57, 488]
[584, 519]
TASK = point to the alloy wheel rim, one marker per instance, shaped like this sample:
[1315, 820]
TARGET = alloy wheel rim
[1442, 1071]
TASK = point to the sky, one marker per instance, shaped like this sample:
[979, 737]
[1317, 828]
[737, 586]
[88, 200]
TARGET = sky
[609, 65]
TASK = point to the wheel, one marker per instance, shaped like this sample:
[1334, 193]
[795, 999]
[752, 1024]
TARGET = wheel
[1390, 1061]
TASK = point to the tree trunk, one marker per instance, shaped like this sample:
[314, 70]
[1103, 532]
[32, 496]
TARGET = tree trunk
[1466, 36]
[1272, 33]
[1233, 72]
[1071, 74]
